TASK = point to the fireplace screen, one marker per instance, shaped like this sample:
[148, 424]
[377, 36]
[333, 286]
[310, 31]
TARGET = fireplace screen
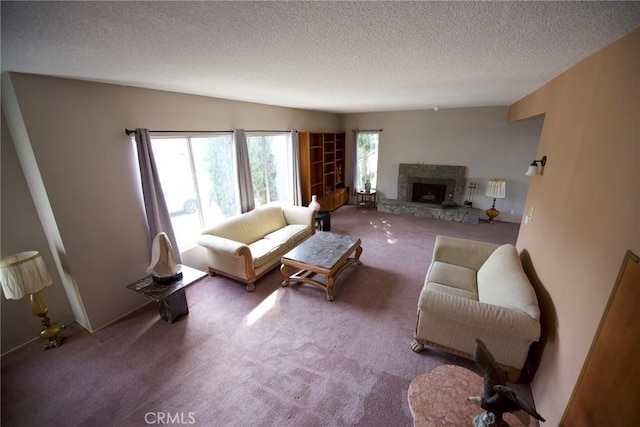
[428, 193]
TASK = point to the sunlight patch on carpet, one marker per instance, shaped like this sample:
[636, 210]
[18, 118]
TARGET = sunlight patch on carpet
[266, 305]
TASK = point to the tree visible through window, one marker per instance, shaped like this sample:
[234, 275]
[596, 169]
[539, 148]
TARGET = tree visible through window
[367, 159]
[199, 177]
[271, 162]
[199, 181]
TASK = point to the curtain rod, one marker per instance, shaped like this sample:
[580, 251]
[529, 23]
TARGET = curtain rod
[129, 131]
[367, 130]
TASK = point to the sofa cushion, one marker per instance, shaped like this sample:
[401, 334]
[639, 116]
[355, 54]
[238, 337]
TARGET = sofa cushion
[264, 250]
[502, 282]
[431, 287]
[291, 234]
[267, 219]
[453, 275]
[251, 226]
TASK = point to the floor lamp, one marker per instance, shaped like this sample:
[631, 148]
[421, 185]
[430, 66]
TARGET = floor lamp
[25, 273]
[496, 188]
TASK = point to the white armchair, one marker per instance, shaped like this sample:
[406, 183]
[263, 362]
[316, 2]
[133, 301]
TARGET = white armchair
[478, 290]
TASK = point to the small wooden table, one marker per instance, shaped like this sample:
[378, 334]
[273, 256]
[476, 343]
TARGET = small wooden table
[323, 253]
[171, 299]
[366, 199]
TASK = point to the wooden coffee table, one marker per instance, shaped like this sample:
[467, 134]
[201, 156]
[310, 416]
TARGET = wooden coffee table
[324, 253]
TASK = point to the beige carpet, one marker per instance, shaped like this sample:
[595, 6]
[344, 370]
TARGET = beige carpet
[275, 357]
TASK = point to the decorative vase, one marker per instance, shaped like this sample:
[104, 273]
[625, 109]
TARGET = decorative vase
[367, 186]
[314, 203]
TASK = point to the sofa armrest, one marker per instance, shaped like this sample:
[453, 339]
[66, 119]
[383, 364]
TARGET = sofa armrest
[299, 215]
[465, 253]
[473, 313]
[222, 245]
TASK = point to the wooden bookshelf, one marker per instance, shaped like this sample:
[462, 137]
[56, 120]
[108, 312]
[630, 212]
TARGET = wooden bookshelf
[322, 168]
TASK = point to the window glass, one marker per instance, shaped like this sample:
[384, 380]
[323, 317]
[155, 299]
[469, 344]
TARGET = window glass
[198, 178]
[271, 162]
[367, 159]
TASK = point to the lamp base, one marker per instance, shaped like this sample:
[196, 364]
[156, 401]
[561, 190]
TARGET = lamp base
[51, 334]
[492, 213]
[51, 331]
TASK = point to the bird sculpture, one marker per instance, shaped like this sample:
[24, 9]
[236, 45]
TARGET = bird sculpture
[497, 398]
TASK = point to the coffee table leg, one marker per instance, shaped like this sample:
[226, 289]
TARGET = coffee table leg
[357, 256]
[285, 275]
[330, 288]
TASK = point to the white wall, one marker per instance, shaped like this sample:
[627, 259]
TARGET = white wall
[18, 323]
[90, 175]
[479, 138]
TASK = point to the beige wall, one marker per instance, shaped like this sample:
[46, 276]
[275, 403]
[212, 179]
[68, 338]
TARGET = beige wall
[479, 138]
[90, 177]
[18, 324]
[586, 206]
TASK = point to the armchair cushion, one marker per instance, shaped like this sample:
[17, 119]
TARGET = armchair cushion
[496, 279]
[453, 275]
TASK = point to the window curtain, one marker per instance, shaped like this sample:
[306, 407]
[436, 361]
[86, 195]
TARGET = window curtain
[247, 202]
[355, 178]
[295, 179]
[158, 219]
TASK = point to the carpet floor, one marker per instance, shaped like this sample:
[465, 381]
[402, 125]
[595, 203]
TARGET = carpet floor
[274, 357]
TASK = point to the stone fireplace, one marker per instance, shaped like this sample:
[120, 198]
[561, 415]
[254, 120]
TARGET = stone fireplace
[431, 191]
[431, 184]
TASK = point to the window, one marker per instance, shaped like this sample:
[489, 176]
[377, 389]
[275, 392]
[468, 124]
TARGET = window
[367, 159]
[199, 181]
[271, 162]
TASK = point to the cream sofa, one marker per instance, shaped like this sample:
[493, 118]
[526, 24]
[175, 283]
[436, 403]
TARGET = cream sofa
[478, 290]
[247, 246]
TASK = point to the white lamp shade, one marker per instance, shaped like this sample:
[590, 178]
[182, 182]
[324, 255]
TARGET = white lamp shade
[533, 170]
[22, 274]
[496, 188]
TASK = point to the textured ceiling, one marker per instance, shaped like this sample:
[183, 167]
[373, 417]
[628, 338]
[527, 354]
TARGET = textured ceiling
[328, 56]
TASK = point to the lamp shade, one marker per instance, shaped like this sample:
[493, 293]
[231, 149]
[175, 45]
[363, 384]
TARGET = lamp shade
[22, 274]
[533, 169]
[496, 188]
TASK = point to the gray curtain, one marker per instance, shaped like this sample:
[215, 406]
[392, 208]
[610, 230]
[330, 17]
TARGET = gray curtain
[158, 219]
[247, 202]
[297, 187]
[355, 184]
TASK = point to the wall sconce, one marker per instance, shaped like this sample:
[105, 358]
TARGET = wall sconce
[533, 167]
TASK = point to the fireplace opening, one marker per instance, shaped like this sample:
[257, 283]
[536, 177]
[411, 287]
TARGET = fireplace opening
[428, 193]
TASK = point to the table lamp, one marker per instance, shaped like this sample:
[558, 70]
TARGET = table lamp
[25, 273]
[496, 188]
